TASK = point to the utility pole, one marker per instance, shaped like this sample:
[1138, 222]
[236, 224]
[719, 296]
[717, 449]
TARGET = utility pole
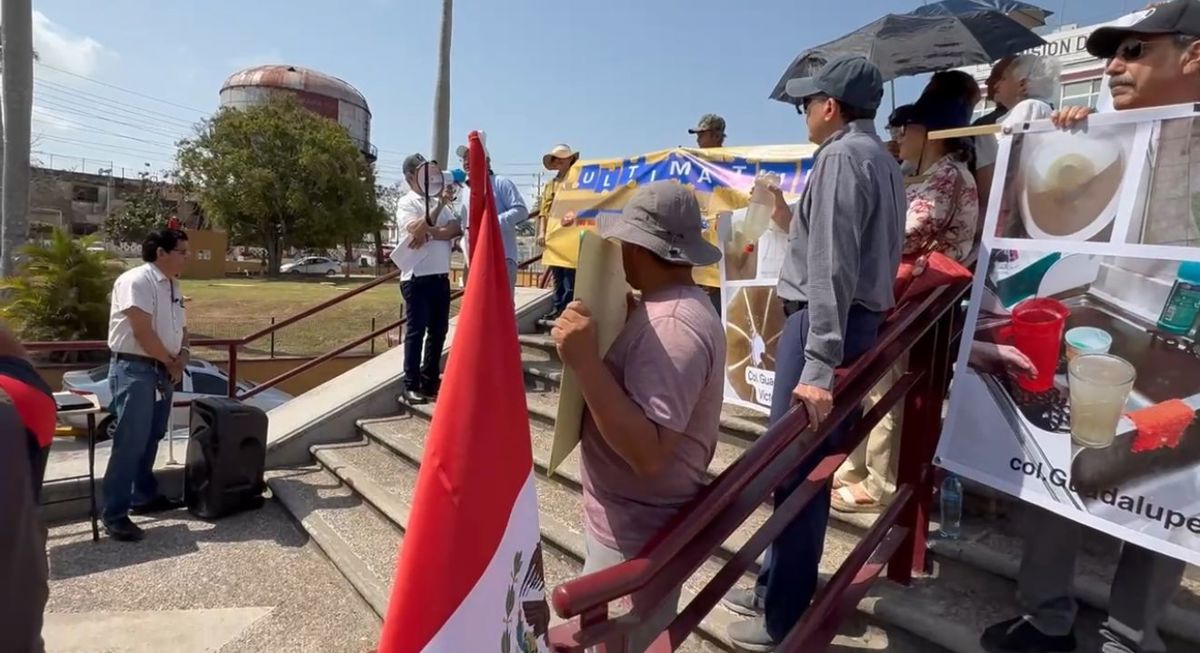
[16, 31]
[441, 97]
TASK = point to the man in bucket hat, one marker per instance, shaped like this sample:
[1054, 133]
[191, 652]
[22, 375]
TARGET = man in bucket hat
[654, 401]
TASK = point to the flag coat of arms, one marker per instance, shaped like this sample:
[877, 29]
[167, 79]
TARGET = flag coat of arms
[469, 576]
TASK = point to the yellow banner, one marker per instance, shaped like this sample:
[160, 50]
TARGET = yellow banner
[721, 177]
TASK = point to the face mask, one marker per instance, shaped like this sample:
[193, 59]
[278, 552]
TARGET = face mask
[908, 168]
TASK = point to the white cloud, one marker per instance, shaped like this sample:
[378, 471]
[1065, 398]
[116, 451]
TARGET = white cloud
[57, 46]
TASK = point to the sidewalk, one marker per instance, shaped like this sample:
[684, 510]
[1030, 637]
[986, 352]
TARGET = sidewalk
[251, 582]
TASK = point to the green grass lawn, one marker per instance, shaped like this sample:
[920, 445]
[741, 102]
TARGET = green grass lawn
[232, 308]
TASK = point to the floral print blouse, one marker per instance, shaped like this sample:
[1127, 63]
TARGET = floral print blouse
[941, 218]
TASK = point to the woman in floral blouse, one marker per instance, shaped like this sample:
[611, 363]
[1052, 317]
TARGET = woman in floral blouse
[943, 216]
[943, 209]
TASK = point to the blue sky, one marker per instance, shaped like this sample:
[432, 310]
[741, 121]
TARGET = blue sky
[612, 79]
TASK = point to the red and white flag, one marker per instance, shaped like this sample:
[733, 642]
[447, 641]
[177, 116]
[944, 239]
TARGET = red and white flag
[469, 578]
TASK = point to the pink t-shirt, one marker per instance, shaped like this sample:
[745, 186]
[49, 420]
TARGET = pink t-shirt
[669, 358]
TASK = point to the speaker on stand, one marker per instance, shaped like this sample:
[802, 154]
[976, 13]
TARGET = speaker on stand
[226, 458]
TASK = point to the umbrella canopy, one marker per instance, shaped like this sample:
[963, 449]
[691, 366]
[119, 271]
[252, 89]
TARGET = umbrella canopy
[905, 44]
[1030, 16]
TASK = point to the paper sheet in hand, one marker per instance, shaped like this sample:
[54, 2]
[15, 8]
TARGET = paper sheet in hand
[600, 285]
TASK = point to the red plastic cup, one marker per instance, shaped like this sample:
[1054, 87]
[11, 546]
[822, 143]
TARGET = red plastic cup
[1037, 330]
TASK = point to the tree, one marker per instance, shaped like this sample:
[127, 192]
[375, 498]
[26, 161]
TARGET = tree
[141, 213]
[441, 97]
[61, 291]
[17, 58]
[280, 176]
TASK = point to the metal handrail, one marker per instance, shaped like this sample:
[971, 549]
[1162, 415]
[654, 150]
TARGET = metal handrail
[703, 525]
[577, 596]
[233, 344]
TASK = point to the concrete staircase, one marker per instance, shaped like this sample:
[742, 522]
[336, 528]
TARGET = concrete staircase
[353, 500]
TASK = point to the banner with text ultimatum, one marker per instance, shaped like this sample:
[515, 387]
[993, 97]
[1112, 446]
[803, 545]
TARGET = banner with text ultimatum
[721, 177]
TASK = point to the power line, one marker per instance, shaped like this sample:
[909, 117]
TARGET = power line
[119, 88]
[55, 106]
[109, 146]
[106, 132]
[72, 93]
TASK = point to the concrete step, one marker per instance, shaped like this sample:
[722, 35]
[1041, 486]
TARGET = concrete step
[560, 518]
[355, 537]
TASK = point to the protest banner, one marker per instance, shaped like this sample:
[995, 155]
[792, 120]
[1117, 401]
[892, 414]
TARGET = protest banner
[721, 177]
[1078, 378]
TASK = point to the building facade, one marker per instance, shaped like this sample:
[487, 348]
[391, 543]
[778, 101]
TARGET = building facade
[79, 202]
[1082, 82]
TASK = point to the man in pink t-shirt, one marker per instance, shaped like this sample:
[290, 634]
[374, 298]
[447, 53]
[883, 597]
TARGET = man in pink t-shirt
[654, 401]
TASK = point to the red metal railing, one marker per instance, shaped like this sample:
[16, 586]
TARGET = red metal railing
[929, 329]
[233, 345]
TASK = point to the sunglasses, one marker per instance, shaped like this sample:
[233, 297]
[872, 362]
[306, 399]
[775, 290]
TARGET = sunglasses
[802, 105]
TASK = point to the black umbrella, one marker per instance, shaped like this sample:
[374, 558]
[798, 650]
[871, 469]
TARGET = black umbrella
[905, 44]
[1030, 16]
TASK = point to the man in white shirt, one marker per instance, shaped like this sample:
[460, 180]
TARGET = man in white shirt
[426, 226]
[147, 333]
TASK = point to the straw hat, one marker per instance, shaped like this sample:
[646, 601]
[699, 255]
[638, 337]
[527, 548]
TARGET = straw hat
[560, 151]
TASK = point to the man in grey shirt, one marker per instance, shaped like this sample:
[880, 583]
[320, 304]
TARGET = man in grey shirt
[844, 248]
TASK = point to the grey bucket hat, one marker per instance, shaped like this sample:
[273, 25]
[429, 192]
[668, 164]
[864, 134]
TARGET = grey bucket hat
[664, 217]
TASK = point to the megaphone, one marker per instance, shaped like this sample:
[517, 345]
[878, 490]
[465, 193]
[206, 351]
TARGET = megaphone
[431, 181]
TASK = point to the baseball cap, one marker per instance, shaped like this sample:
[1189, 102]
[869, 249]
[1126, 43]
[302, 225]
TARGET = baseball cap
[850, 79]
[935, 113]
[664, 217]
[902, 115]
[1174, 17]
[709, 122]
[412, 162]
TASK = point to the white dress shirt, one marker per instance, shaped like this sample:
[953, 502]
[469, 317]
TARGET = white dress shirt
[146, 288]
[433, 257]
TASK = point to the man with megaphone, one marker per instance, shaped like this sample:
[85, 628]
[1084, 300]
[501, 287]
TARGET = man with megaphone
[426, 226]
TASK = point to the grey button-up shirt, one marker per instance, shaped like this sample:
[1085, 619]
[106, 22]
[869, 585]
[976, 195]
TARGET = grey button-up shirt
[845, 241]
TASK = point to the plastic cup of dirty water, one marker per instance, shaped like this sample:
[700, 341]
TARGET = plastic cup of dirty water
[1037, 330]
[1100, 385]
[1087, 340]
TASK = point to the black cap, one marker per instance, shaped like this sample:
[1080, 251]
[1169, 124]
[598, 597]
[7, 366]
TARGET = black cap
[852, 80]
[902, 115]
[412, 162]
[1175, 17]
[935, 113]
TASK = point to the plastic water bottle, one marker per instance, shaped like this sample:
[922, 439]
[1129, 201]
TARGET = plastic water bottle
[760, 208]
[951, 507]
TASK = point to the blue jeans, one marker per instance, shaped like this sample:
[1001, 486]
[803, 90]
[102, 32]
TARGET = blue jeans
[141, 423]
[788, 578]
[564, 287]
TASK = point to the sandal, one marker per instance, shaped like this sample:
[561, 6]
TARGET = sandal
[845, 500]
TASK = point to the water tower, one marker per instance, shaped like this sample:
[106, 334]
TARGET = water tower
[322, 94]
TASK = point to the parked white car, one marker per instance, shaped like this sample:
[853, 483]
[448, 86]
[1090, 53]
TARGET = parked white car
[200, 379]
[312, 265]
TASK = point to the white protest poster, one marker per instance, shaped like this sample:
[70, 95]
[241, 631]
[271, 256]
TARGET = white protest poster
[1078, 380]
[600, 284]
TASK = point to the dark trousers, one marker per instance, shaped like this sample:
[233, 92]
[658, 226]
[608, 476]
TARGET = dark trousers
[23, 569]
[427, 309]
[564, 287]
[788, 578]
[38, 457]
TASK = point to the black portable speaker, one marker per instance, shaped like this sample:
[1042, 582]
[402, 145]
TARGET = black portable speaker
[226, 456]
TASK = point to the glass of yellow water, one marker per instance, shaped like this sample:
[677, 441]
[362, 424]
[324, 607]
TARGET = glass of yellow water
[1099, 385]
